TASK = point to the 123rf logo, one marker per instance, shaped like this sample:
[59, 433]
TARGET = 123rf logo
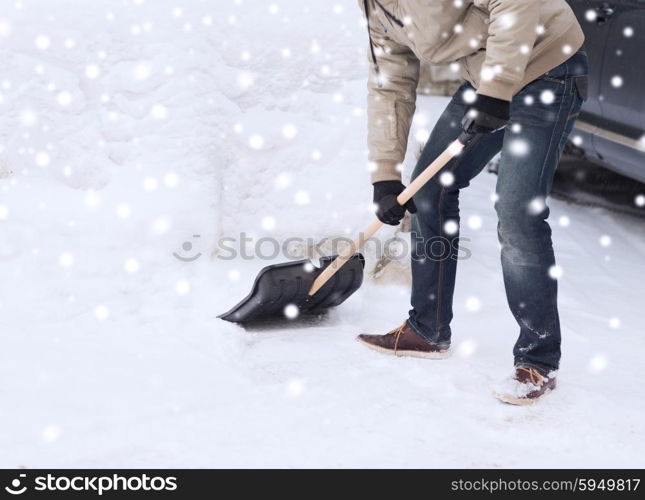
[96, 484]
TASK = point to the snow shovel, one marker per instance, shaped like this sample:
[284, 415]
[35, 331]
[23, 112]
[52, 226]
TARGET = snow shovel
[287, 290]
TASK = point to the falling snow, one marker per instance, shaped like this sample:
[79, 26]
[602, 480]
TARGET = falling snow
[131, 128]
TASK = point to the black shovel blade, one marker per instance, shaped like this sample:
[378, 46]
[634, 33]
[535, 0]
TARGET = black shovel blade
[282, 289]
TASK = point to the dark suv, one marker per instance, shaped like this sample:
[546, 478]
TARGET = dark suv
[610, 130]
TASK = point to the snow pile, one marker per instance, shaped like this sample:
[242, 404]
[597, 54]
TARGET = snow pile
[136, 133]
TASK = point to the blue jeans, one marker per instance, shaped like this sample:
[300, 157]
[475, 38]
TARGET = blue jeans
[542, 116]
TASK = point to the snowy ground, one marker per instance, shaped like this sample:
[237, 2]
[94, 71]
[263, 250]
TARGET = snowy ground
[127, 128]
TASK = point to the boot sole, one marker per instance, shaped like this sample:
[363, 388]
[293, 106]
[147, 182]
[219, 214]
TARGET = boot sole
[505, 398]
[407, 354]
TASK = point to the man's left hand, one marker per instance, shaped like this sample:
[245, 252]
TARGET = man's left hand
[486, 115]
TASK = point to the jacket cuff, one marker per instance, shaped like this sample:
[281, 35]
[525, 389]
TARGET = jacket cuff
[498, 89]
[386, 171]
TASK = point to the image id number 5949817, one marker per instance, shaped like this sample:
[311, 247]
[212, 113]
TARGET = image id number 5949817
[591, 484]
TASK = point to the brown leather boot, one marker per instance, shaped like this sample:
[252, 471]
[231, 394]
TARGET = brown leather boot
[404, 341]
[525, 387]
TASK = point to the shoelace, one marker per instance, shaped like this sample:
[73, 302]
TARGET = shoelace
[398, 332]
[534, 375]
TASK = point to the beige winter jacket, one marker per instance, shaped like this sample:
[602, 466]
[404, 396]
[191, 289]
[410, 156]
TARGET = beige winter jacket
[501, 45]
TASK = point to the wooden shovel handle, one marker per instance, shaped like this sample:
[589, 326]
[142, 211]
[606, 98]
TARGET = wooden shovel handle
[346, 254]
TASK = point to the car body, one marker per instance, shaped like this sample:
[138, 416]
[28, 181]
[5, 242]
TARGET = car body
[610, 130]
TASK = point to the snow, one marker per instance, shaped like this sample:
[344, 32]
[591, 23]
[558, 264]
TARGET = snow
[512, 388]
[131, 128]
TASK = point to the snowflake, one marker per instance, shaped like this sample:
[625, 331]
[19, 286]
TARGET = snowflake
[123, 211]
[447, 179]
[28, 118]
[547, 97]
[42, 42]
[161, 225]
[268, 223]
[282, 181]
[51, 433]
[475, 222]
[473, 304]
[245, 80]
[422, 135]
[171, 180]
[92, 71]
[639, 200]
[507, 20]
[295, 388]
[182, 287]
[42, 159]
[469, 96]
[5, 28]
[466, 348]
[131, 266]
[556, 272]
[64, 98]
[597, 363]
[291, 311]
[289, 131]
[518, 147]
[256, 141]
[451, 227]
[591, 15]
[159, 112]
[150, 184]
[536, 206]
[302, 197]
[101, 312]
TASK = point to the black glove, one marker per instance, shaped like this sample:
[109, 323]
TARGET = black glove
[486, 115]
[388, 209]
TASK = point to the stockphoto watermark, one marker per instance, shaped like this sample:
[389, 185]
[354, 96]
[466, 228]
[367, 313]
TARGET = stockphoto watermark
[248, 247]
[92, 484]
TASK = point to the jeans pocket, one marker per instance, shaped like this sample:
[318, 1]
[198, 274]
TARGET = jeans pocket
[582, 86]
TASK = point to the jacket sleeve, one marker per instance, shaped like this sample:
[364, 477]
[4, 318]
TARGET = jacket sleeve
[511, 35]
[391, 102]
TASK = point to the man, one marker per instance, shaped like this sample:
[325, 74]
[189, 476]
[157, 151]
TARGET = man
[525, 82]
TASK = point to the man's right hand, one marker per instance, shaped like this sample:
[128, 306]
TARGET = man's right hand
[388, 209]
